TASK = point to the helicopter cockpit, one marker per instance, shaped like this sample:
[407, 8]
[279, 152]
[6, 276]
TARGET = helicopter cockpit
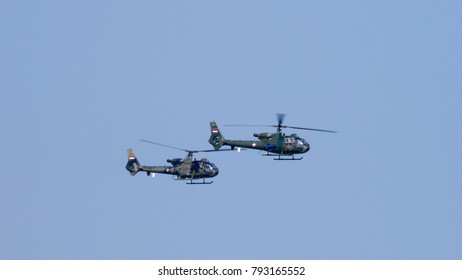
[204, 166]
[298, 143]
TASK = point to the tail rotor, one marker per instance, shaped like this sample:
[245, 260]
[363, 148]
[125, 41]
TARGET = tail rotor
[216, 138]
[133, 165]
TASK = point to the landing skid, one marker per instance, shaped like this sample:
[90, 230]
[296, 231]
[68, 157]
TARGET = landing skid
[200, 183]
[191, 182]
[280, 157]
[293, 158]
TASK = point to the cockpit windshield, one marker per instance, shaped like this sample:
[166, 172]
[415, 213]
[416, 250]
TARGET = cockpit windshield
[208, 166]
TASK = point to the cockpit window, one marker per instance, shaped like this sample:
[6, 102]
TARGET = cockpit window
[208, 166]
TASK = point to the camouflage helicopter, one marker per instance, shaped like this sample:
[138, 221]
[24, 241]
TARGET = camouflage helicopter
[184, 169]
[275, 144]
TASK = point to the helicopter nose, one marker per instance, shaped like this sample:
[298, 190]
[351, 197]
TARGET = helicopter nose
[307, 147]
[215, 171]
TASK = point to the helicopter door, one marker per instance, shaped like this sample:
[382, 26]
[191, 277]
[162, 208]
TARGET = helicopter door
[195, 166]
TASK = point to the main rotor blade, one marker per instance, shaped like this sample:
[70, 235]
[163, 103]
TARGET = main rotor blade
[313, 129]
[209, 151]
[267, 125]
[188, 151]
[205, 151]
[159, 144]
[283, 126]
[281, 118]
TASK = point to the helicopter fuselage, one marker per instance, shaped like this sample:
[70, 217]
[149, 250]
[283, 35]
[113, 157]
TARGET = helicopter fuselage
[187, 168]
[276, 143]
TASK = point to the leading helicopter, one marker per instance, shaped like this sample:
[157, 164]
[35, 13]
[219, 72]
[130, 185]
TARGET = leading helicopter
[184, 169]
[276, 144]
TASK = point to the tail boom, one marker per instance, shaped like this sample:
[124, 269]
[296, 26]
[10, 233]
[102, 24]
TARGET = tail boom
[133, 166]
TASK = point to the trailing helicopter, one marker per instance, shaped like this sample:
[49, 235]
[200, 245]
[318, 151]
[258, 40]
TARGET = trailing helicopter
[182, 169]
[275, 144]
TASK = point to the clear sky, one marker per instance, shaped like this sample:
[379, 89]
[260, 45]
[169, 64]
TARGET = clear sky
[82, 81]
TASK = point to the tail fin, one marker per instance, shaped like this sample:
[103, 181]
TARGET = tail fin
[133, 165]
[216, 138]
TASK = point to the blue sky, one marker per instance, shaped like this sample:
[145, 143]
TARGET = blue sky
[81, 82]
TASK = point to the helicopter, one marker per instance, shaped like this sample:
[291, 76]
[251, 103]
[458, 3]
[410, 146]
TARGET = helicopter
[276, 144]
[184, 169]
